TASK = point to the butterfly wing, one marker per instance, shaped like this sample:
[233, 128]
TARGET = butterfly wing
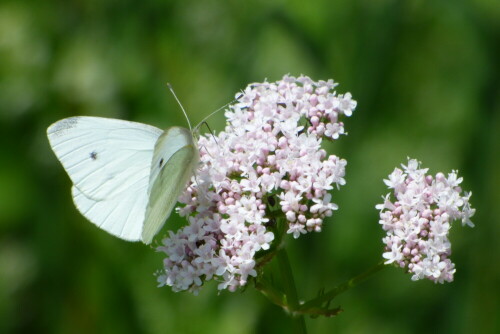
[121, 216]
[174, 162]
[103, 156]
[108, 161]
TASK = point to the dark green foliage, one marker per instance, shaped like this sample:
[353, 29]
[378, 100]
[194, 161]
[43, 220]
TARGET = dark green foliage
[426, 78]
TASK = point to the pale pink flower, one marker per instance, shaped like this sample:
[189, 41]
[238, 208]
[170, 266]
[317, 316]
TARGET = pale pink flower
[419, 220]
[269, 150]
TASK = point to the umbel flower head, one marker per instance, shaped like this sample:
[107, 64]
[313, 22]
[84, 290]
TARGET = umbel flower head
[268, 160]
[418, 221]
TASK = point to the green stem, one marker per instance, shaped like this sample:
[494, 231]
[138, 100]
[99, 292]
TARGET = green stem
[268, 290]
[328, 296]
[292, 300]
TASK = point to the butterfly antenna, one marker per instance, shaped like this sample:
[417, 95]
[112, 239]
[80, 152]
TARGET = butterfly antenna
[210, 115]
[209, 130]
[179, 102]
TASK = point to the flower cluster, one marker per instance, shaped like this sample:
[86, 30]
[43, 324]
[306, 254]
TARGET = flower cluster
[419, 220]
[268, 156]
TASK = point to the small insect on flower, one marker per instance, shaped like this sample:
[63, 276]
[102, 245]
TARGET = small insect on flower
[419, 220]
[268, 158]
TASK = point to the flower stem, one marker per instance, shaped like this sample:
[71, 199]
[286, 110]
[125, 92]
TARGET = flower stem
[328, 296]
[292, 300]
[271, 293]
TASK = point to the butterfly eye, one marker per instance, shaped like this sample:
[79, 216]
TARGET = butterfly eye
[161, 162]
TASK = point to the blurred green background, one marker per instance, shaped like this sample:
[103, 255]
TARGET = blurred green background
[426, 78]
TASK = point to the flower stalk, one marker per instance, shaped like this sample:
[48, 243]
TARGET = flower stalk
[288, 299]
[291, 297]
[327, 297]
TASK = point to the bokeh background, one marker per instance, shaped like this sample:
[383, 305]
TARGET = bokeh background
[426, 78]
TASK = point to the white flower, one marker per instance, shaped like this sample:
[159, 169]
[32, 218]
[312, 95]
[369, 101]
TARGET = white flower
[290, 201]
[347, 104]
[252, 183]
[419, 220]
[296, 230]
[386, 205]
[323, 205]
[334, 130]
[396, 179]
[394, 255]
[269, 151]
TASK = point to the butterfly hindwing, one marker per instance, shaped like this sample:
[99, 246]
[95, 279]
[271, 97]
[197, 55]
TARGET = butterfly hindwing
[121, 216]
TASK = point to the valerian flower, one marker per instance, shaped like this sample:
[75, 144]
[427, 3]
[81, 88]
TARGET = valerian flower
[418, 221]
[268, 155]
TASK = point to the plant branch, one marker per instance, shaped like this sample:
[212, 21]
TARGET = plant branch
[330, 295]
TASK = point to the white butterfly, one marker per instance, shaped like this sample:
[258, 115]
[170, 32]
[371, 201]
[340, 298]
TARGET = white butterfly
[126, 176]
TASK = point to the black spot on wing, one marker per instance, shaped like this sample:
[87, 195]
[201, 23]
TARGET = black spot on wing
[161, 163]
[93, 155]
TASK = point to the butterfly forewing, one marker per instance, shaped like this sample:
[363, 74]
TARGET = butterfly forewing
[174, 162]
[103, 156]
